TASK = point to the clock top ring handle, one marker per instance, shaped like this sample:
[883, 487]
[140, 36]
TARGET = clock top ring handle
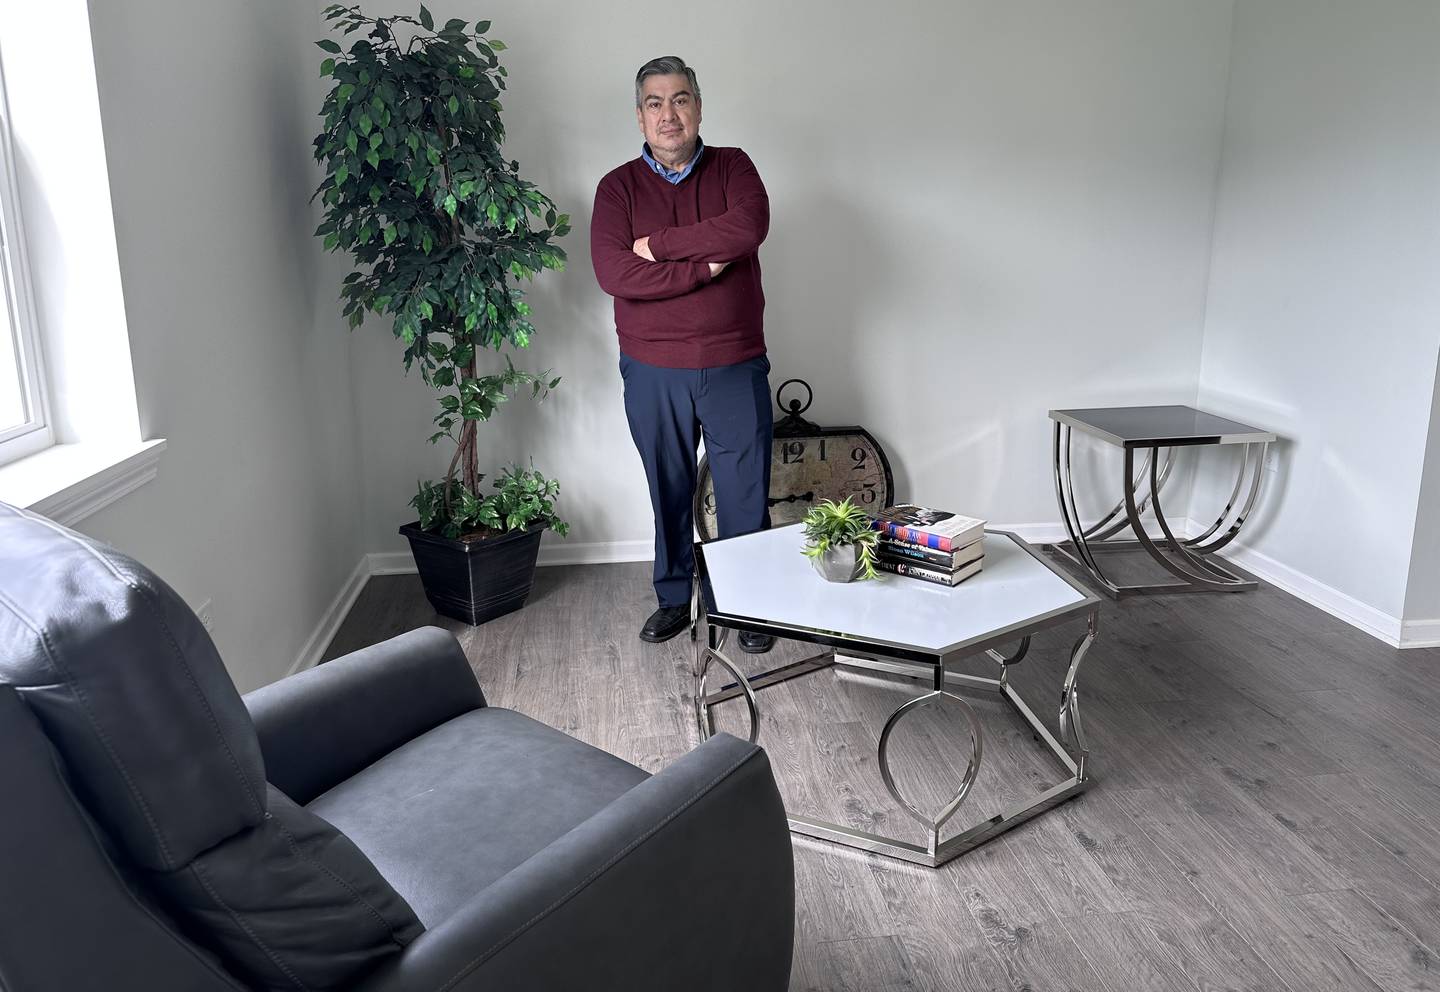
[795, 409]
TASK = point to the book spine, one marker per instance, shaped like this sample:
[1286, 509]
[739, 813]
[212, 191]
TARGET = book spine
[914, 572]
[909, 552]
[915, 536]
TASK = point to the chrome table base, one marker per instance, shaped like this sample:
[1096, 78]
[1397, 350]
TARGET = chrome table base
[1189, 559]
[1072, 754]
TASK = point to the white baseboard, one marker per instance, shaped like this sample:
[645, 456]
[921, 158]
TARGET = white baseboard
[1420, 634]
[333, 616]
[1338, 604]
[391, 563]
[596, 552]
[1390, 629]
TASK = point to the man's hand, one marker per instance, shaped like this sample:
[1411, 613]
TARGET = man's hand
[716, 268]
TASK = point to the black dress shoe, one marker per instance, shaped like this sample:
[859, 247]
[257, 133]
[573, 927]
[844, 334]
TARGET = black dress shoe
[665, 623]
[752, 643]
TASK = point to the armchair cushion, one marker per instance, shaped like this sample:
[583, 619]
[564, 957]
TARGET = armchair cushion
[684, 882]
[322, 725]
[445, 815]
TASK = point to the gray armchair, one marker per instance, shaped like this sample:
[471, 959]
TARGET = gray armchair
[370, 824]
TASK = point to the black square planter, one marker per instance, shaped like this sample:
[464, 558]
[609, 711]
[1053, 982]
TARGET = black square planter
[475, 581]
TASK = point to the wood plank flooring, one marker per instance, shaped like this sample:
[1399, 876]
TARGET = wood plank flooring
[1265, 813]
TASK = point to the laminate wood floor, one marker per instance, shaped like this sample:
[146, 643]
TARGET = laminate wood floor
[1265, 813]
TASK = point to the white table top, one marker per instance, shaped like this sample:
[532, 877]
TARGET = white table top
[764, 578]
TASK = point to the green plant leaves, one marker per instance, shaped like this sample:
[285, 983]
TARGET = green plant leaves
[830, 525]
[522, 499]
[440, 226]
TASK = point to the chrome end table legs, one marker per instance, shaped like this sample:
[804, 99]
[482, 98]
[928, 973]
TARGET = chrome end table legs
[1188, 559]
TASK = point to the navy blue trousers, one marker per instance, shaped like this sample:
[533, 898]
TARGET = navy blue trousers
[669, 411]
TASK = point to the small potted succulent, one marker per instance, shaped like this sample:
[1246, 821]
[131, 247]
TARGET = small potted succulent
[840, 541]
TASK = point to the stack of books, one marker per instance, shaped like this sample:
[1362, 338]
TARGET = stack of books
[931, 545]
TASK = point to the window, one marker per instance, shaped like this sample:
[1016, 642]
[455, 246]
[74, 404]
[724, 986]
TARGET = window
[24, 423]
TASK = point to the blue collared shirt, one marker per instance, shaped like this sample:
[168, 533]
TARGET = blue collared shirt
[672, 176]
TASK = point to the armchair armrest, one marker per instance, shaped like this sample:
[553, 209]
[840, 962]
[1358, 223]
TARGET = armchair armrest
[686, 881]
[320, 726]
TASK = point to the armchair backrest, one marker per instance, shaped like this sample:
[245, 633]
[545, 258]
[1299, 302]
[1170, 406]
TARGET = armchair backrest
[154, 745]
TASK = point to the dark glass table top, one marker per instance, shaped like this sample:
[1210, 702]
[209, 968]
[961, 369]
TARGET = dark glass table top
[1167, 426]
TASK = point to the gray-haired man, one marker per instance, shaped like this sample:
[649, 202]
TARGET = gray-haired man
[674, 238]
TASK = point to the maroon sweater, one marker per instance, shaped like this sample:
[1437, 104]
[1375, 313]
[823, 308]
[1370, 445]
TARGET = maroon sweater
[670, 312]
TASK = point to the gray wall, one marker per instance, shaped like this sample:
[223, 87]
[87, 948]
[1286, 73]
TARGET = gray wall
[207, 110]
[1323, 313]
[1422, 595]
[980, 211]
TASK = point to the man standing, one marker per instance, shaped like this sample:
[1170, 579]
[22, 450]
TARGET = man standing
[674, 238]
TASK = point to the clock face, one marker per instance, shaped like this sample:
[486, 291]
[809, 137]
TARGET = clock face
[807, 468]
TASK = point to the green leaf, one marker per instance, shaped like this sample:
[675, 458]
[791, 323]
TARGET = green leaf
[374, 159]
[481, 27]
[376, 139]
[426, 18]
[497, 44]
[365, 123]
[328, 46]
[331, 240]
[450, 204]
[342, 174]
[390, 235]
[327, 67]
[454, 24]
[426, 242]
[453, 106]
[343, 93]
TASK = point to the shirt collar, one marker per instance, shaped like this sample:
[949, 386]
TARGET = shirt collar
[673, 176]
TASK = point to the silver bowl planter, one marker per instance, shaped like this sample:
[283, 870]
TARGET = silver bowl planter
[840, 564]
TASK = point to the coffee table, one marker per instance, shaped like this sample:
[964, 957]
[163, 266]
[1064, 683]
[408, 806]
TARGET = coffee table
[761, 582]
[1149, 429]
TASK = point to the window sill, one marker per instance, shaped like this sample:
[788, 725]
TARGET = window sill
[69, 482]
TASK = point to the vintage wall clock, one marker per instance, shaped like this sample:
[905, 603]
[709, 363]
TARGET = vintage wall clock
[809, 463]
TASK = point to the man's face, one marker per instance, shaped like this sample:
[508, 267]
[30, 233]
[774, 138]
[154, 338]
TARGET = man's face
[669, 114]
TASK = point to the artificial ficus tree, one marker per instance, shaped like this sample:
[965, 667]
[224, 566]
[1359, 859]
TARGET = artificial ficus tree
[442, 231]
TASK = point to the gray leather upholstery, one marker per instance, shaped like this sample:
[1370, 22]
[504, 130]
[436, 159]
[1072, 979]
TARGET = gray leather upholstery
[70, 917]
[684, 882]
[319, 727]
[128, 688]
[143, 849]
[453, 810]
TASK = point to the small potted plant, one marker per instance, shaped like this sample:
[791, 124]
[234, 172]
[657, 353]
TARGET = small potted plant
[840, 541]
[477, 560]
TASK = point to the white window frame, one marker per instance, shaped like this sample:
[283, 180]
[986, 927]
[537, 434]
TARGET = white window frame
[36, 433]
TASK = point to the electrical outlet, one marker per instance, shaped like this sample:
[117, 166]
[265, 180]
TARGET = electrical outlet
[207, 616]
